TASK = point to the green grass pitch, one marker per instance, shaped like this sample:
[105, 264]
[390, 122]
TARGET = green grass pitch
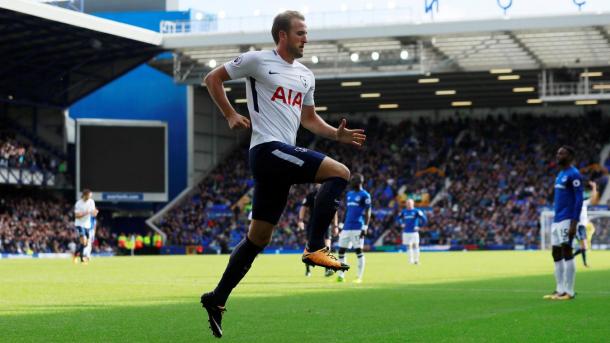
[450, 297]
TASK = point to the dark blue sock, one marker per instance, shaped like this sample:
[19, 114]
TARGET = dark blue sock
[326, 204]
[81, 251]
[239, 263]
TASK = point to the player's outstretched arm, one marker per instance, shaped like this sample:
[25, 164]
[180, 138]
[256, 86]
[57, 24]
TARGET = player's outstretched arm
[214, 82]
[578, 200]
[594, 193]
[314, 123]
[347, 136]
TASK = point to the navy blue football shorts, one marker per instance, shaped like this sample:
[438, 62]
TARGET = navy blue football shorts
[275, 167]
[82, 232]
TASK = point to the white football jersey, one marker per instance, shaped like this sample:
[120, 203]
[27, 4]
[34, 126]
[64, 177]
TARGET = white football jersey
[276, 92]
[84, 206]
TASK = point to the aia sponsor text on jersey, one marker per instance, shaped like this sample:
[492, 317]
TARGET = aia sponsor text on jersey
[293, 98]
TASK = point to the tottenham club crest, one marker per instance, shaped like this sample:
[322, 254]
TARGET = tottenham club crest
[304, 81]
[237, 61]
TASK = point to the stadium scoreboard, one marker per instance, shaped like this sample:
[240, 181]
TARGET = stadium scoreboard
[122, 160]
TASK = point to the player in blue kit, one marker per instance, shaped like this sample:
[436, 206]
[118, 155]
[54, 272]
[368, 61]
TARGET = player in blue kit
[568, 201]
[410, 219]
[280, 93]
[357, 217]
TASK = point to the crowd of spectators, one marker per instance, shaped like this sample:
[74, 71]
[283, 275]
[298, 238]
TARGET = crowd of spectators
[19, 154]
[207, 217]
[503, 172]
[602, 231]
[210, 217]
[41, 225]
[499, 173]
[392, 155]
[500, 169]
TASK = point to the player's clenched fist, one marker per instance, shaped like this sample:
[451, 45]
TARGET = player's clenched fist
[237, 121]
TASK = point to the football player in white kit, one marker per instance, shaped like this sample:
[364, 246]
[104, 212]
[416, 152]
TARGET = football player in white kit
[90, 241]
[585, 229]
[84, 209]
[280, 93]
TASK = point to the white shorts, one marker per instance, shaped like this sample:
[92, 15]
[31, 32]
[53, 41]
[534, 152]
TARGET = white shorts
[409, 238]
[351, 239]
[559, 232]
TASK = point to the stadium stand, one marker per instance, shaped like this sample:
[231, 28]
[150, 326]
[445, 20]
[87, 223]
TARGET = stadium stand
[474, 175]
[493, 199]
[502, 172]
[15, 153]
[602, 233]
[81, 54]
[210, 216]
[38, 223]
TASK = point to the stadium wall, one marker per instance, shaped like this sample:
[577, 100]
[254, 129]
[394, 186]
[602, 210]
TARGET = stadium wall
[146, 94]
[213, 139]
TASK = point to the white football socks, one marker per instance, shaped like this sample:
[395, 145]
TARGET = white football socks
[559, 276]
[570, 276]
[360, 265]
[340, 273]
[411, 254]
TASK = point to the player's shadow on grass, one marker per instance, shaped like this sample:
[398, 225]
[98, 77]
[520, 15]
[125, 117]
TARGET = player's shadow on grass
[507, 309]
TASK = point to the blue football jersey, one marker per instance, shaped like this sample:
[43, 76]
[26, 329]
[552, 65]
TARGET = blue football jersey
[358, 202]
[411, 220]
[568, 195]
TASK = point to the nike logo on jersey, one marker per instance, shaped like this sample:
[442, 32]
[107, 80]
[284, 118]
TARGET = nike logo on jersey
[273, 72]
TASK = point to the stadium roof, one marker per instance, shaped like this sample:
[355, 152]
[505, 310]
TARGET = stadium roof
[460, 54]
[522, 43]
[52, 56]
